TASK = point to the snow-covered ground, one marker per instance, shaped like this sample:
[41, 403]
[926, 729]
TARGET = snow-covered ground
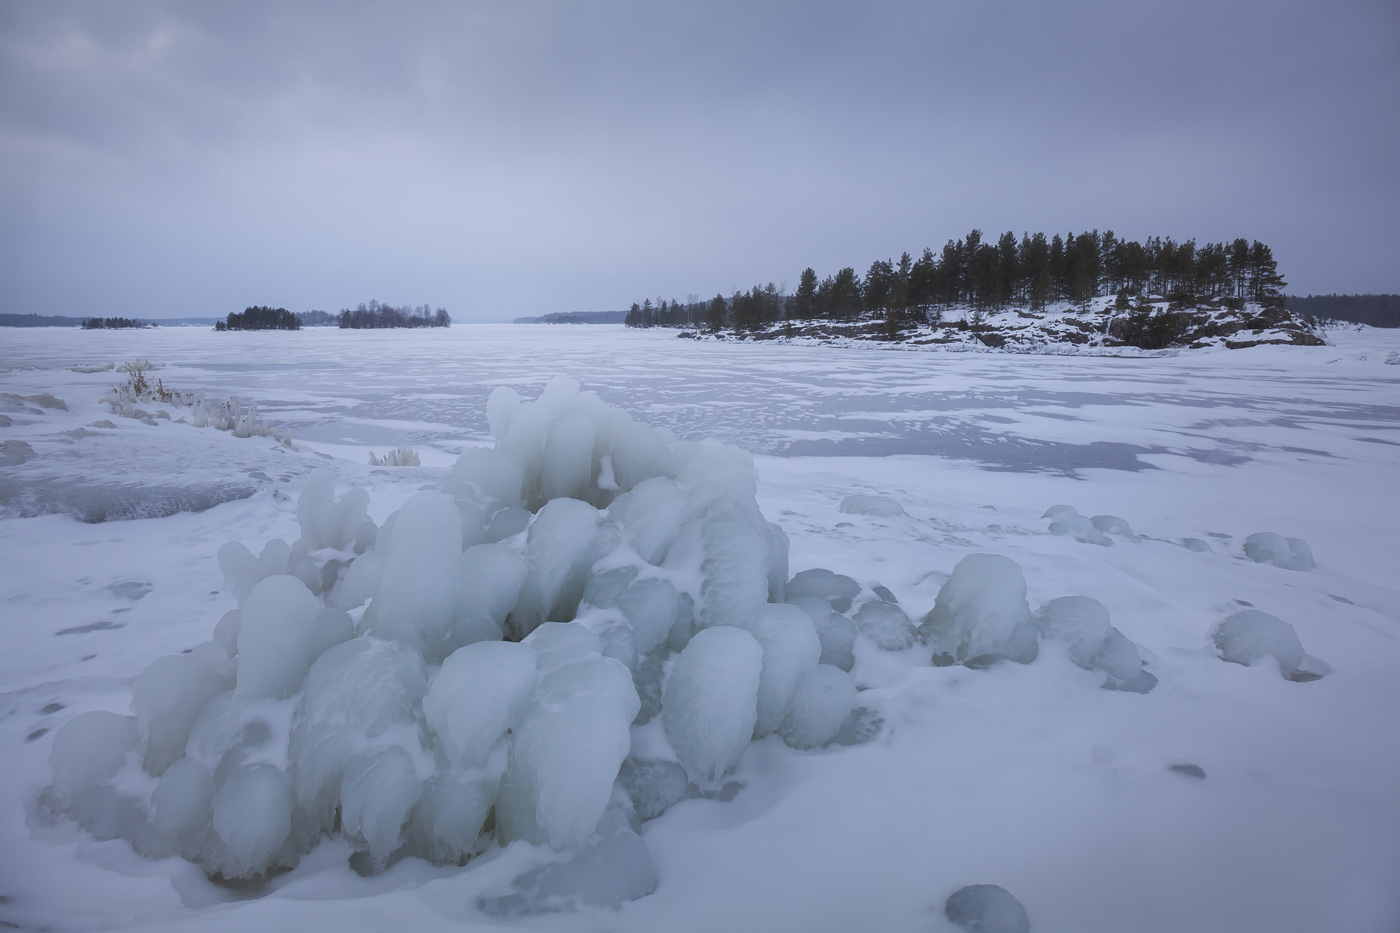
[1026, 776]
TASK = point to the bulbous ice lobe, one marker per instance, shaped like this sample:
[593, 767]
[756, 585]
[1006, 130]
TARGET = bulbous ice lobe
[478, 694]
[710, 706]
[274, 640]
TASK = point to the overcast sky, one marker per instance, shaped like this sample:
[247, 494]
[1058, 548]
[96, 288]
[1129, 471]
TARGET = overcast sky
[170, 159]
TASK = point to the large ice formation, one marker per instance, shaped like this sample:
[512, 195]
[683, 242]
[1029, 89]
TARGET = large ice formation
[472, 670]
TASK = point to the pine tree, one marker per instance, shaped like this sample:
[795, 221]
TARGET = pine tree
[804, 300]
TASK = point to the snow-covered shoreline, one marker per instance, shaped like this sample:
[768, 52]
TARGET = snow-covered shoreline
[1024, 776]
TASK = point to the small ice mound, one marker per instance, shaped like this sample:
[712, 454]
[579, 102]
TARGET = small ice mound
[837, 589]
[1249, 636]
[1198, 545]
[615, 867]
[884, 593]
[1118, 657]
[1061, 513]
[1113, 525]
[790, 648]
[837, 633]
[1081, 529]
[986, 908]
[1266, 547]
[819, 707]
[654, 784]
[877, 506]
[1079, 622]
[886, 625]
[981, 614]
[710, 705]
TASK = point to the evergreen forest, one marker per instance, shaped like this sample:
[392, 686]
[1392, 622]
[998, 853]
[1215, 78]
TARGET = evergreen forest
[985, 275]
[259, 317]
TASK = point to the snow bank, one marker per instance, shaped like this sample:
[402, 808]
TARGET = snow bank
[584, 575]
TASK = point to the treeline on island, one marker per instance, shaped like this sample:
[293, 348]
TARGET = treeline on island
[370, 314]
[1033, 271]
[110, 323]
[375, 314]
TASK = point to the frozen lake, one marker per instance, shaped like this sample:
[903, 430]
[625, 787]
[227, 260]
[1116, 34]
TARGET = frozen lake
[1025, 776]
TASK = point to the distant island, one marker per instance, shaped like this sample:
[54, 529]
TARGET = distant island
[1038, 290]
[58, 320]
[376, 315]
[368, 315]
[259, 317]
[576, 317]
[110, 323]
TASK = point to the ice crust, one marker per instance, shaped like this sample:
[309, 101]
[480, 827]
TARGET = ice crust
[471, 671]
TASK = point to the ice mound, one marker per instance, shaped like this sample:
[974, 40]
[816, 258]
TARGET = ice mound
[836, 632]
[981, 614]
[1266, 547]
[886, 625]
[837, 589]
[1065, 520]
[1113, 525]
[878, 506]
[1081, 624]
[468, 674]
[1250, 635]
[986, 908]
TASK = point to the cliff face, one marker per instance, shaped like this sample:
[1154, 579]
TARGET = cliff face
[1146, 326]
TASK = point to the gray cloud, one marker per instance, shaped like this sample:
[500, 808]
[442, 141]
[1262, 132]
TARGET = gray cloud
[503, 159]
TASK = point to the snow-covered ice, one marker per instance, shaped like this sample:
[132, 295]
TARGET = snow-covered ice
[1155, 809]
